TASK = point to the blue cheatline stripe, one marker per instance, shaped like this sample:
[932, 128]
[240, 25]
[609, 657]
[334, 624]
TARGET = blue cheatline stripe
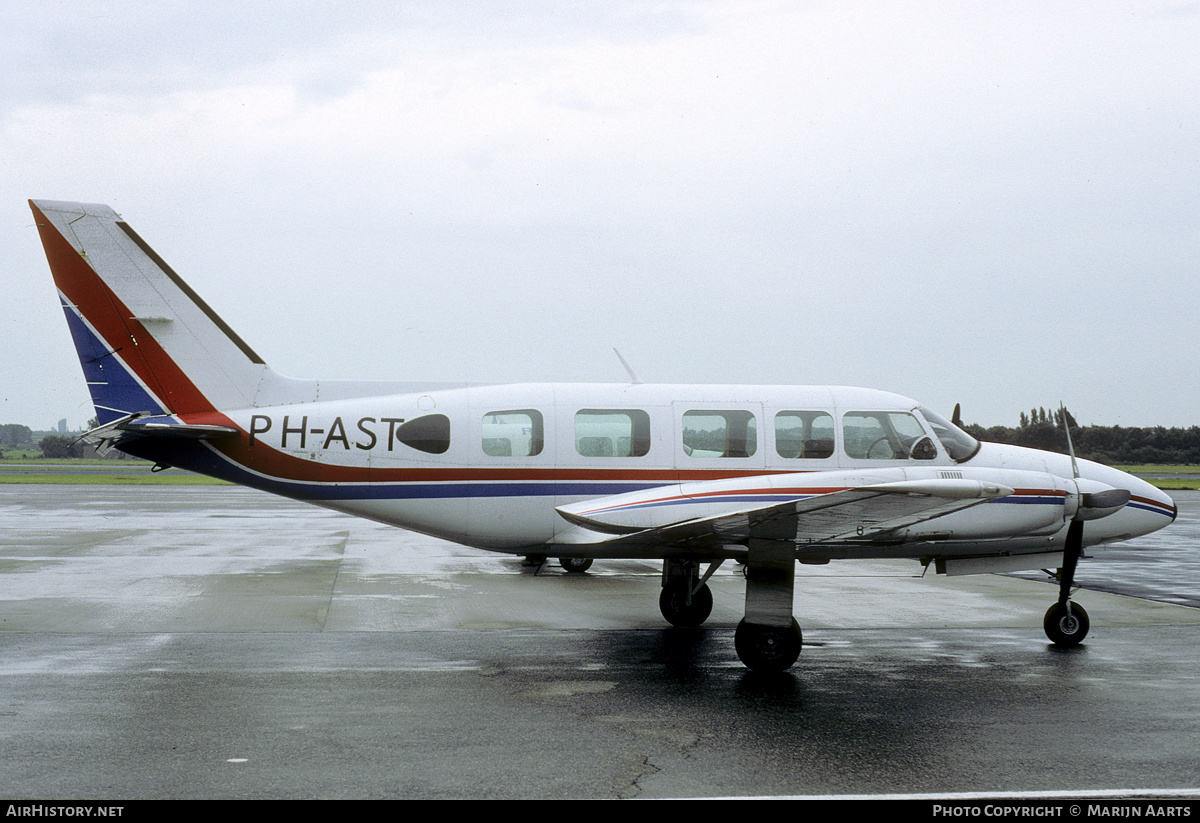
[423, 491]
[683, 501]
[200, 458]
[1150, 507]
[784, 498]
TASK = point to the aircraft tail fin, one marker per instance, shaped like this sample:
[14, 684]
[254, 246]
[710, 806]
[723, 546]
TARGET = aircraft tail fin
[147, 343]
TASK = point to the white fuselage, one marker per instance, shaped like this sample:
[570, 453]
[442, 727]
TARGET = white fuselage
[487, 466]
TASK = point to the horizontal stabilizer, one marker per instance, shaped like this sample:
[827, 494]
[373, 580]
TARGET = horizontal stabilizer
[134, 426]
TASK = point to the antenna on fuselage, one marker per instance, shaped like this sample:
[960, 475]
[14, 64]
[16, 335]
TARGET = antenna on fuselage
[633, 378]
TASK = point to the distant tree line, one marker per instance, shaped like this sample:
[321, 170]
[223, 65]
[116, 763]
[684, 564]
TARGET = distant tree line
[15, 436]
[1042, 429]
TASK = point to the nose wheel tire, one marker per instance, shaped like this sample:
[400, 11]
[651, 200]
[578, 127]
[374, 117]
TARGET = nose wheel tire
[1066, 630]
[768, 648]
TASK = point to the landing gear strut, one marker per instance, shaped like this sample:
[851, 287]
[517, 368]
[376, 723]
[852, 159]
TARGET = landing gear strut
[1066, 623]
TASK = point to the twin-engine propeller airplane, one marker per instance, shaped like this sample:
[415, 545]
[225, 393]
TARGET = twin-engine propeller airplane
[691, 475]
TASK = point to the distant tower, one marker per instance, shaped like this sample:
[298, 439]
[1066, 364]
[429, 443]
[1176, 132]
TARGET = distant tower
[62, 426]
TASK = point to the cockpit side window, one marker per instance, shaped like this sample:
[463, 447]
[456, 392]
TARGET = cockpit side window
[873, 435]
[958, 444]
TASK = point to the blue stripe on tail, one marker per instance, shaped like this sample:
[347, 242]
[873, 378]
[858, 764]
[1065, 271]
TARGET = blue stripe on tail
[115, 392]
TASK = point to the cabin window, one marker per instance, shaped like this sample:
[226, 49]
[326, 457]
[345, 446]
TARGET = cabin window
[804, 435]
[885, 436]
[711, 433]
[612, 432]
[513, 433]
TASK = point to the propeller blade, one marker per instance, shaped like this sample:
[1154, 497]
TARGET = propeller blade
[956, 418]
[1070, 448]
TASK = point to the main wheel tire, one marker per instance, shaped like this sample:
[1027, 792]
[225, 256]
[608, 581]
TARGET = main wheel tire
[768, 648]
[575, 565]
[1066, 630]
[672, 602]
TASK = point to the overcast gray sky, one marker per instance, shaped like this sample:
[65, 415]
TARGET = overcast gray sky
[996, 203]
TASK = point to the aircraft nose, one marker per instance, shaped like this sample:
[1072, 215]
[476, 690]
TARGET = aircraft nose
[1154, 500]
[1149, 508]
[1174, 509]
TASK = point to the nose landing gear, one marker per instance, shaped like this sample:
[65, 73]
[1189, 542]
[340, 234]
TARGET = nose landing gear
[1067, 623]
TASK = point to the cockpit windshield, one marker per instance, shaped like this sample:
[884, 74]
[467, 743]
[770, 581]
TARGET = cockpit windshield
[957, 443]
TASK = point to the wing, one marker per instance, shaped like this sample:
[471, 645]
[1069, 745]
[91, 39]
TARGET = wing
[859, 507]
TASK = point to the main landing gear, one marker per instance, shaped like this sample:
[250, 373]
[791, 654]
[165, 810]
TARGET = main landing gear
[686, 599]
[571, 565]
[768, 648]
[768, 639]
